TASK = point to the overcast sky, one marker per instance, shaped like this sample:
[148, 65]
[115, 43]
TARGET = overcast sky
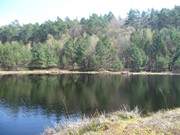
[27, 11]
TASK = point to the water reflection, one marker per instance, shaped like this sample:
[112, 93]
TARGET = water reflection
[55, 97]
[62, 94]
[86, 93]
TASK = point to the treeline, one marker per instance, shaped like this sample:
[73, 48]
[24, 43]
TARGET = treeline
[148, 40]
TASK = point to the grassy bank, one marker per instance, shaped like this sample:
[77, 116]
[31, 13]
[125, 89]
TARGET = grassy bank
[59, 71]
[124, 123]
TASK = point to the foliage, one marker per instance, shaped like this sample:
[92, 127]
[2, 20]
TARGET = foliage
[44, 56]
[14, 55]
[106, 55]
[147, 40]
[68, 55]
[162, 63]
[135, 58]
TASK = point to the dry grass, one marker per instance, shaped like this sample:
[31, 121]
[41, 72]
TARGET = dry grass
[55, 71]
[123, 123]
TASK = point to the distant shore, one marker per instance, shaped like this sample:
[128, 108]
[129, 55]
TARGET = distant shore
[60, 71]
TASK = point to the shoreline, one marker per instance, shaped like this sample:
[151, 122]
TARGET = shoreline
[123, 123]
[59, 72]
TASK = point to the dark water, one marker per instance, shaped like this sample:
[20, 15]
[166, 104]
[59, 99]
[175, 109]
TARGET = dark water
[28, 104]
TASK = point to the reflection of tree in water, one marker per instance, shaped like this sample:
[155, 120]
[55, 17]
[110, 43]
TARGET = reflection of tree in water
[65, 93]
[69, 94]
[152, 93]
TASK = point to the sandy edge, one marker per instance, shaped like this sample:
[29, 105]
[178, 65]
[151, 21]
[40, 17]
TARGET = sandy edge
[59, 71]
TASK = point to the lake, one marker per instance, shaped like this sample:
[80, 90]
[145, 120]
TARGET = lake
[31, 103]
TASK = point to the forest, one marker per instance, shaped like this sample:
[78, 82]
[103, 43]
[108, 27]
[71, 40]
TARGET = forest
[144, 41]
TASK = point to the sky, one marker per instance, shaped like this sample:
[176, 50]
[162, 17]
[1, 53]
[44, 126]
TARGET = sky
[31, 11]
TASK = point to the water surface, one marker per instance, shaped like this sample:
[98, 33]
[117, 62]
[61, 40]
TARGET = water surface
[29, 104]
